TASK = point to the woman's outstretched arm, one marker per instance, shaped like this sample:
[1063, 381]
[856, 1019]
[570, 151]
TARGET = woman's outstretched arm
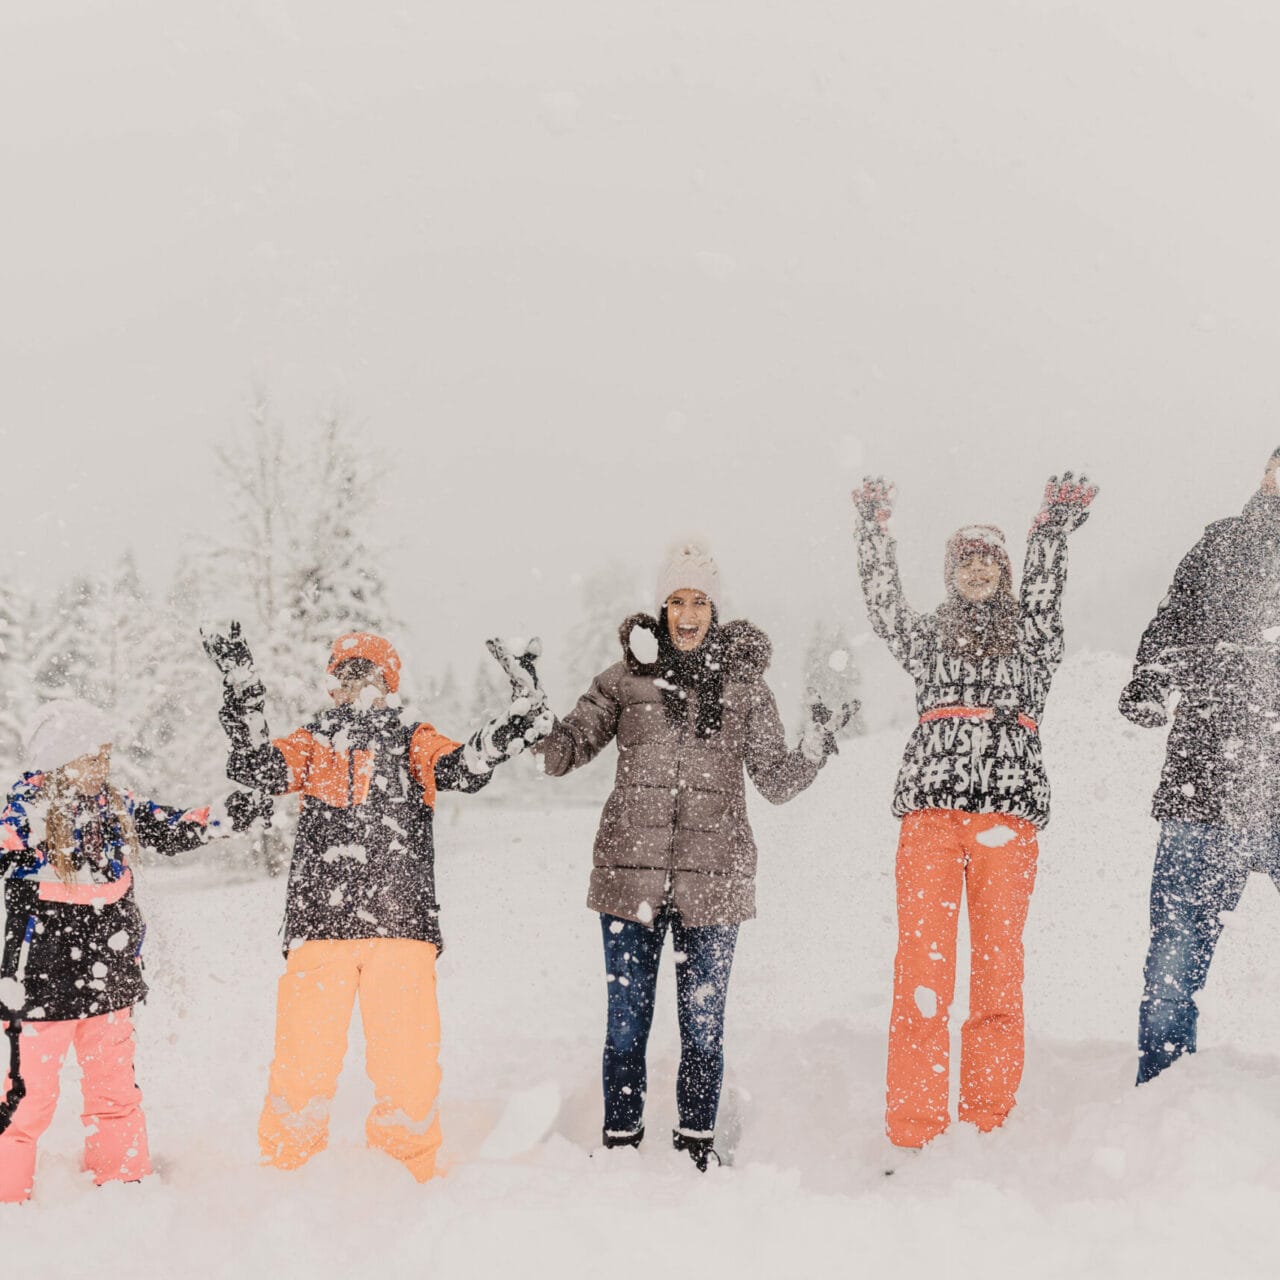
[892, 618]
[581, 735]
[1063, 509]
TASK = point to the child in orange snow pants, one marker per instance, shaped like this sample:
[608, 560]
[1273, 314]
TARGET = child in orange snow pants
[991, 858]
[395, 979]
[361, 916]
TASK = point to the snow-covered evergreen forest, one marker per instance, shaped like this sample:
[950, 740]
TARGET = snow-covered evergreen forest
[297, 561]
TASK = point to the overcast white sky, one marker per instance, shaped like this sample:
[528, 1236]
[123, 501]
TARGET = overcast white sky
[597, 273]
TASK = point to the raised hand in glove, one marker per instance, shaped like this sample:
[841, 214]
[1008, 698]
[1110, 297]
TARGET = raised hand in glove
[818, 738]
[874, 500]
[526, 720]
[228, 649]
[244, 808]
[1143, 702]
[1065, 505]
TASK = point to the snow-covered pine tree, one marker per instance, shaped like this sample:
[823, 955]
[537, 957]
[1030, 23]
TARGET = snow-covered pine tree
[300, 566]
[334, 584]
[254, 567]
[179, 744]
[130, 663]
[70, 656]
[250, 573]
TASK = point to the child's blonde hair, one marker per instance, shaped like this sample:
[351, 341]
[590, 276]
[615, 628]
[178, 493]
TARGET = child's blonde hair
[60, 824]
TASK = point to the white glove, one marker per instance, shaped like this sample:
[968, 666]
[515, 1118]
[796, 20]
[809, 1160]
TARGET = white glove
[818, 738]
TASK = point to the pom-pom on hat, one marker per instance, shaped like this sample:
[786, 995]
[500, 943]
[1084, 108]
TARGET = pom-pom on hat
[688, 567]
[63, 731]
[977, 540]
[363, 644]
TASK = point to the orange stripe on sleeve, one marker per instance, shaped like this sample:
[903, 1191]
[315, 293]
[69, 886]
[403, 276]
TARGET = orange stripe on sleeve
[296, 749]
[425, 749]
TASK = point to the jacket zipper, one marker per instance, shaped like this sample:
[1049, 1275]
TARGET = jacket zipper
[675, 810]
[25, 950]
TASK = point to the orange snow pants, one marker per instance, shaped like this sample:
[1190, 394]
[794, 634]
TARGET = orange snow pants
[395, 979]
[991, 857]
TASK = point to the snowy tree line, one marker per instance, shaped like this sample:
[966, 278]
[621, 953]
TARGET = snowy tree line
[296, 561]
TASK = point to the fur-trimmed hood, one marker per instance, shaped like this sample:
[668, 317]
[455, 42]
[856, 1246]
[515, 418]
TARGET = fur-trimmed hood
[748, 650]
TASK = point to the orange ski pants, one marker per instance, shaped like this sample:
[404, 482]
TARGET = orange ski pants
[395, 979]
[991, 858]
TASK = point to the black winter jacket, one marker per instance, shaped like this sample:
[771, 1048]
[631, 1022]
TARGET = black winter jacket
[75, 950]
[1214, 640]
[364, 857]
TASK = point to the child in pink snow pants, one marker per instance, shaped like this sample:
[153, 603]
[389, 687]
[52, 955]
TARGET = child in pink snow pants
[71, 970]
[116, 1145]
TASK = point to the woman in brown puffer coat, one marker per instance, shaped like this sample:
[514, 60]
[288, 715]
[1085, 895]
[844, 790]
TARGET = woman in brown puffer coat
[674, 850]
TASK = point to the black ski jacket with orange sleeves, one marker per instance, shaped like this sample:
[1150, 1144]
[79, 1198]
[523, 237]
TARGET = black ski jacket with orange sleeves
[364, 857]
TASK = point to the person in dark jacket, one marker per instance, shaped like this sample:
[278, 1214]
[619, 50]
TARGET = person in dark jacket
[674, 852]
[1213, 642]
[72, 963]
[972, 794]
[361, 915]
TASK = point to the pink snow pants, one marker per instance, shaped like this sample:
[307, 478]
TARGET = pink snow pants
[116, 1146]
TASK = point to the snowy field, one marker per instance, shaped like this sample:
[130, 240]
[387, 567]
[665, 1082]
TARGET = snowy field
[1090, 1178]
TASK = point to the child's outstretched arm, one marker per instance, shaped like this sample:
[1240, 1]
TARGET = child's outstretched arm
[1063, 509]
[892, 618]
[170, 831]
[525, 720]
[16, 854]
[254, 760]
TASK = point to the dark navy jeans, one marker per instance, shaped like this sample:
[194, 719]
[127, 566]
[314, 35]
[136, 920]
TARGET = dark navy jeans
[704, 957]
[1200, 872]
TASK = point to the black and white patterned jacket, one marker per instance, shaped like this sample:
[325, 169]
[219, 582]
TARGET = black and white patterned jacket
[979, 765]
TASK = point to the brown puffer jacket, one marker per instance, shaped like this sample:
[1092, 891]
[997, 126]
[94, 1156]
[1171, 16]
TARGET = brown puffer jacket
[675, 829]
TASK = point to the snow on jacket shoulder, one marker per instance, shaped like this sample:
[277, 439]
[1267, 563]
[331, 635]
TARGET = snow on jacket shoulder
[990, 765]
[1214, 640]
[74, 946]
[364, 856]
[675, 828]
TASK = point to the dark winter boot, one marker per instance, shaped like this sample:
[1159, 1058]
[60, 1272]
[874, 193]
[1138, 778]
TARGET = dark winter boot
[700, 1150]
[622, 1139]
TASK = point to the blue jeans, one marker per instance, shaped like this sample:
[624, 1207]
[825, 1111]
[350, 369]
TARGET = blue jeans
[704, 957]
[1200, 872]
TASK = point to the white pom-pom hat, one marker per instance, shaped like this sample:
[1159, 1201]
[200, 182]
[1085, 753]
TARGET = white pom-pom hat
[688, 567]
[63, 731]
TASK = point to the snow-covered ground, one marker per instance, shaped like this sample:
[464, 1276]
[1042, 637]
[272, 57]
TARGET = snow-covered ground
[1090, 1177]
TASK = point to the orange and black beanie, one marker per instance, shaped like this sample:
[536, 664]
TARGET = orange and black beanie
[363, 644]
[977, 540]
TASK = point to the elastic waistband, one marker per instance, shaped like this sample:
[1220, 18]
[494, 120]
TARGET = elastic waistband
[975, 713]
